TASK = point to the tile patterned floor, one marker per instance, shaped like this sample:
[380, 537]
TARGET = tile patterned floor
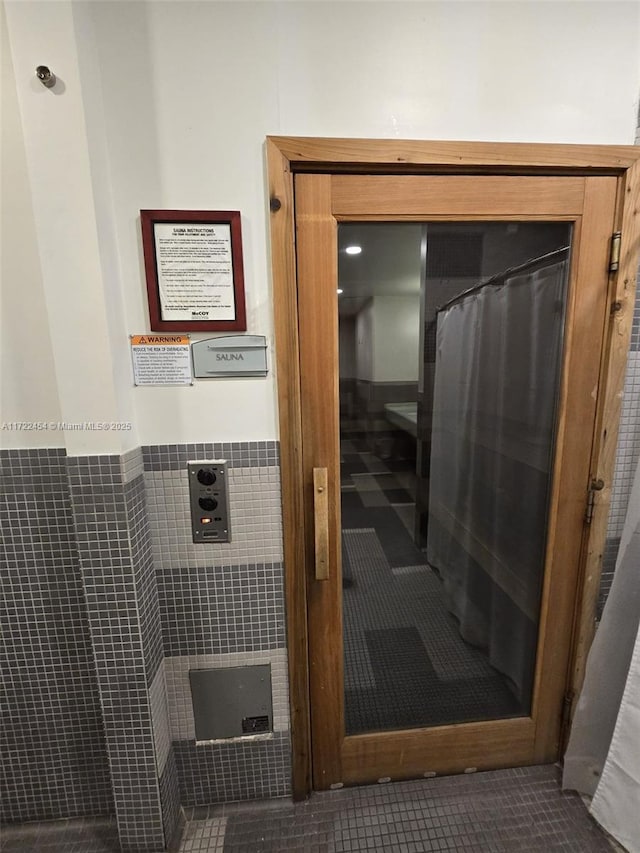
[405, 662]
[61, 836]
[498, 812]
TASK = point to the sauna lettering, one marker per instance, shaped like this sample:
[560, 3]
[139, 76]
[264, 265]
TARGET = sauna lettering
[229, 356]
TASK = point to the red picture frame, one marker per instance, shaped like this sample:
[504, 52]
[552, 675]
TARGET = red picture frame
[148, 220]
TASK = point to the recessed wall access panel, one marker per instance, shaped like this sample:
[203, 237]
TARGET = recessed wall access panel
[209, 501]
[231, 702]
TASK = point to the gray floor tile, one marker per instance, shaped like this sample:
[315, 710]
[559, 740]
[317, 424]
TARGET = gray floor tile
[400, 642]
[501, 811]
[61, 836]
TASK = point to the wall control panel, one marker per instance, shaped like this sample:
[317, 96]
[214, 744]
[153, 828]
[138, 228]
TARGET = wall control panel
[209, 499]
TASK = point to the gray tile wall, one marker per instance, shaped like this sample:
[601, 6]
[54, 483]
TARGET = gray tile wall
[236, 608]
[114, 546]
[144, 575]
[159, 706]
[627, 456]
[149, 592]
[239, 454]
[172, 814]
[251, 769]
[608, 567]
[221, 605]
[54, 759]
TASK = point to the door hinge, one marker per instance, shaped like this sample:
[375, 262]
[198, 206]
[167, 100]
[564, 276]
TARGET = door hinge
[594, 486]
[614, 254]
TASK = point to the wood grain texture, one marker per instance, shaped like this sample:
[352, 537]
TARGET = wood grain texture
[455, 195]
[321, 523]
[621, 300]
[283, 265]
[319, 198]
[586, 318]
[442, 217]
[332, 153]
[287, 155]
[446, 749]
[318, 323]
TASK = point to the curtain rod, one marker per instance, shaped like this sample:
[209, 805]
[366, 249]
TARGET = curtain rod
[499, 277]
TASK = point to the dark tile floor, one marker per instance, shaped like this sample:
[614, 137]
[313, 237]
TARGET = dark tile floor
[498, 812]
[406, 664]
[61, 836]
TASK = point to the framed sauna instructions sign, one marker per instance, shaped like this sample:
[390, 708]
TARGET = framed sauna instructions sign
[193, 266]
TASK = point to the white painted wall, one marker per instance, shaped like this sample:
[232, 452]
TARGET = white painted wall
[187, 91]
[365, 342]
[387, 339]
[500, 71]
[195, 85]
[71, 242]
[396, 338]
[28, 388]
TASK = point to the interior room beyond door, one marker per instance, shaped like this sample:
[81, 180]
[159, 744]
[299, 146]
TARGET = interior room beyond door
[450, 338]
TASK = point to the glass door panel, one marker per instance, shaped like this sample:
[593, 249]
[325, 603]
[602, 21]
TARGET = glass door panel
[450, 361]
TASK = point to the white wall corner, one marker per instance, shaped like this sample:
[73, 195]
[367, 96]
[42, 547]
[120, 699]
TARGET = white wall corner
[73, 223]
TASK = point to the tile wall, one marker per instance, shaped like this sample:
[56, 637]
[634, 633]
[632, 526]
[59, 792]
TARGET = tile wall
[107, 574]
[628, 452]
[51, 734]
[221, 605]
[116, 561]
[627, 456]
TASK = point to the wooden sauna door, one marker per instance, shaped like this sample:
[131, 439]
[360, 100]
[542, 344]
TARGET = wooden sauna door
[357, 574]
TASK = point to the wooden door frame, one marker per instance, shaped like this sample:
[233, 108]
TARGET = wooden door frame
[286, 156]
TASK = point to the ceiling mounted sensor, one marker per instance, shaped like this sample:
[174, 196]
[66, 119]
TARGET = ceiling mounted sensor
[353, 250]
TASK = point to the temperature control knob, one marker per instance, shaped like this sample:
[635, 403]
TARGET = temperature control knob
[208, 504]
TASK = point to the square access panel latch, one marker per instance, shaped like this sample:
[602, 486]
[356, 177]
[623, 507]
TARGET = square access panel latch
[231, 702]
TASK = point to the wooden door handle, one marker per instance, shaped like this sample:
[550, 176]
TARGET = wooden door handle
[321, 523]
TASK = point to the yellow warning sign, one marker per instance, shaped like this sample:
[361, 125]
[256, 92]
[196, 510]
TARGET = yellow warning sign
[160, 340]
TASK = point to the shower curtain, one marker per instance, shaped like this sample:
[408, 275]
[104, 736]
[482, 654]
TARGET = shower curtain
[603, 756]
[496, 389]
